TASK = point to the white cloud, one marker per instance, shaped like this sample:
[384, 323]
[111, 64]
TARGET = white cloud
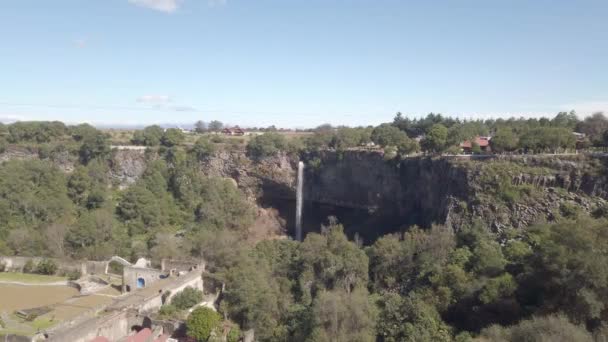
[587, 108]
[167, 6]
[154, 99]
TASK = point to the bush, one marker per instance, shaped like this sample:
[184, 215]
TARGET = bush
[234, 335]
[266, 145]
[29, 266]
[568, 210]
[600, 211]
[3, 145]
[188, 298]
[164, 297]
[551, 328]
[115, 267]
[2, 267]
[202, 322]
[73, 274]
[46, 266]
[167, 312]
[203, 148]
[216, 139]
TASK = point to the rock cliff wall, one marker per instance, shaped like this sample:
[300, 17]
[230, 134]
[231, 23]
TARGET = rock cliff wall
[502, 191]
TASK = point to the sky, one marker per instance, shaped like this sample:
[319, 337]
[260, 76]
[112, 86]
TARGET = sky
[297, 63]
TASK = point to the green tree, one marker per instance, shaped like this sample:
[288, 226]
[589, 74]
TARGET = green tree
[567, 270]
[346, 137]
[342, 316]
[565, 120]
[202, 322]
[200, 127]
[187, 298]
[387, 135]
[203, 148]
[409, 319]
[79, 185]
[3, 144]
[215, 126]
[33, 193]
[266, 145]
[149, 136]
[96, 236]
[46, 266]
[504, 141]
[435, 139]
[253, 299]
[172, 137]
[92, 147]
[594, 127]
[331, 261]
[550, 328]
[83, 131]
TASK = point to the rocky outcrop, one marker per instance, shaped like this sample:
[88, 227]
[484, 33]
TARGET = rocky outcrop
[127, 165]
[425, 190]
[418, 190]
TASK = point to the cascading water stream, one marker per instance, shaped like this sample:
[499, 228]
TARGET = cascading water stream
[300, 185]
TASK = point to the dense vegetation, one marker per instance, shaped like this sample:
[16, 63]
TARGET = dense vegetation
[435, 134]
[47, 212]
[547, 282]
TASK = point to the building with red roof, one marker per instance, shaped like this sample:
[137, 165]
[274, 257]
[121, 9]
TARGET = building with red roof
[482, 142]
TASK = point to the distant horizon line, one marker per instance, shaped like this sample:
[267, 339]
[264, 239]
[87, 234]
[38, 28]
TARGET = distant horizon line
[10, 119]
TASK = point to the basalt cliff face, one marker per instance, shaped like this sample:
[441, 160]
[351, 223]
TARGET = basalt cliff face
[373, 196]
[503, 192]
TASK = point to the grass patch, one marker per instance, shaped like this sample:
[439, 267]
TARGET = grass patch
[42, 323]
[29, 278]
[10, 331]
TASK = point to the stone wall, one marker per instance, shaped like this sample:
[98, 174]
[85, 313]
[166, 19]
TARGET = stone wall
[116, 321]
[16, 263]
[131, 275]
[194, 282]
[179, 265]
[113, 326]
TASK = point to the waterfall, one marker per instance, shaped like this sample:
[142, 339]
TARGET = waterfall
[300, 184]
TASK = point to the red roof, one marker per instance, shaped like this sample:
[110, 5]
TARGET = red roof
[481, 141]
[142, 336]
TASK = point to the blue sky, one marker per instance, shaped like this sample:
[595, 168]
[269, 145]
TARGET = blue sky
[297, 63]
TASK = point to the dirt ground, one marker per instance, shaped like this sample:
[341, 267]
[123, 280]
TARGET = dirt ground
[66, 303]
[17, 297]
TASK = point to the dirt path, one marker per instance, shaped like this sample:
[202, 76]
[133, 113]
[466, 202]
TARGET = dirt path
[53, 283]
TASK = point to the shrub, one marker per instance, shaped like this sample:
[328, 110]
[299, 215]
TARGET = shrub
[164, 297]
[46, 266]
[234, 335]
[188, 298]
[29, 266]
[390, 152]
[73, 274]
[2, 267]
[115, 267]
[266, 145]
[203, 148]
[216, 139]
[202, 322]
[600, 211]
[568, 210]
[551, 328]
[167, 312]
